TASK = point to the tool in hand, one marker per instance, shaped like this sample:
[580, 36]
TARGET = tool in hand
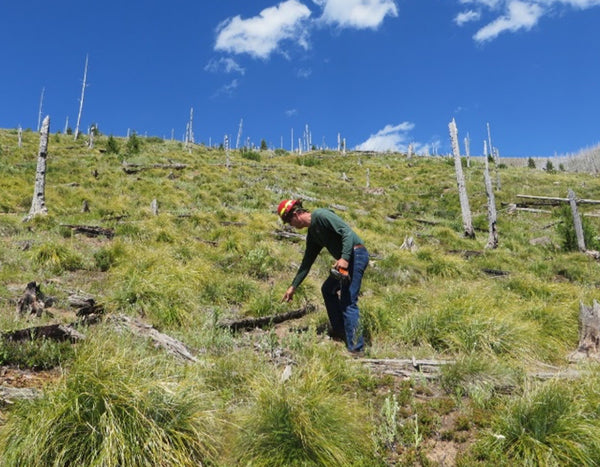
[340, 274]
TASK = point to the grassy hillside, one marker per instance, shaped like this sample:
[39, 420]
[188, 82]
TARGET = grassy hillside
[214, 252]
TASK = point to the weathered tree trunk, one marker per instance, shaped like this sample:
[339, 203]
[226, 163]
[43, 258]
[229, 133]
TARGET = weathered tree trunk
[154, 207]
[460, 180]
[40, 111]
[495, 155]
[493, 235]
[38, 204]
[91, 137]
[139, 328]
[589, 332]
[577, 221]
[81, 99]
[20, 136]
[497, 168]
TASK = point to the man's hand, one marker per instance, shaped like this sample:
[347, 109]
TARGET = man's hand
[289, 294]
[341, 263]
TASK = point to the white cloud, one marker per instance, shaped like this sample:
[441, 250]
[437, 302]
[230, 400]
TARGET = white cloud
[304, 72]
[226, 65]
[467, 16]
[390, 138]
[291, 112]
[520, 15]
[516, 15]
[359, 14]
[228, 89]
[261, 35]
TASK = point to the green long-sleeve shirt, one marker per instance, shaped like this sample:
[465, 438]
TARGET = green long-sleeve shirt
[327, 230]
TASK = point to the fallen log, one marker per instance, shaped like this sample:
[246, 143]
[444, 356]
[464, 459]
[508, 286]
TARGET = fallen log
[139, 328]
[135, 168]
[264, 321]
[57, 332]
[555, 201]
[429, 369]
[290, 235]
[91, 230]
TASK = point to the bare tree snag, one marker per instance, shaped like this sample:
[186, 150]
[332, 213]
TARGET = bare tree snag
[576, 221]
[40, 111]
[492, 242]
[469, 231]
[589, 333]
[264, 321]
[154, 207]
[81, 99]
[33, 301]
[38, 204]
[409, 244]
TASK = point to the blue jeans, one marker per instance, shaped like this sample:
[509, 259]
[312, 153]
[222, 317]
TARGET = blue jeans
[341, 301]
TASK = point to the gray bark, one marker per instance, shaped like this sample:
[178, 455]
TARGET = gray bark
[492, 217]
[81, 99]
[38, 204]
[589, 332]
[139, 328]
[460, 180]
[40, 111]
[576, 221]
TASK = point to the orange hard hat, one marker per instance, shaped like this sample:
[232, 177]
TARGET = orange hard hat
[286, 207]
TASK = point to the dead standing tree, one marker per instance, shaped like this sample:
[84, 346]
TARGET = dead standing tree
[492, 218]
[38, 204]
[469, 231]
[577, 221]
[81, 99]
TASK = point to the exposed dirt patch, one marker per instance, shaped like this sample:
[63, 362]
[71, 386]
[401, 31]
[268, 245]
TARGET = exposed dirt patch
[17, 378]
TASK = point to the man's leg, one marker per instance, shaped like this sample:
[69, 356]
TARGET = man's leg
[330, 289]
[349, 300]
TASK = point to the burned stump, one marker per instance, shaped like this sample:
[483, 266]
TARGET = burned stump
[33, 301]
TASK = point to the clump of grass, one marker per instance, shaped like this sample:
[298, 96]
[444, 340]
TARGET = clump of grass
[566, 231]
[40, 354]
[109, 256]
[303, 421]
[478, 377]
[544, 426]
[117, 406]
[56, 257]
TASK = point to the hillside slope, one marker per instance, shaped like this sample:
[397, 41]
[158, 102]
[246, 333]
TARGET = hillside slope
[214, 251]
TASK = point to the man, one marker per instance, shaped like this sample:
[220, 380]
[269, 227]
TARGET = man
[326, 229]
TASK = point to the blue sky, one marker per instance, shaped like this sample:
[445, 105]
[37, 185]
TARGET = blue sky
[382, 74]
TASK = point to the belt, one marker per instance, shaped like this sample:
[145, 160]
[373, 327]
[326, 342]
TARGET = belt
[356, 247]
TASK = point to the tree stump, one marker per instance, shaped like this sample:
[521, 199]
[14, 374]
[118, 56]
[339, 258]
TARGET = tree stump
[589, 333]
[33, 301]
